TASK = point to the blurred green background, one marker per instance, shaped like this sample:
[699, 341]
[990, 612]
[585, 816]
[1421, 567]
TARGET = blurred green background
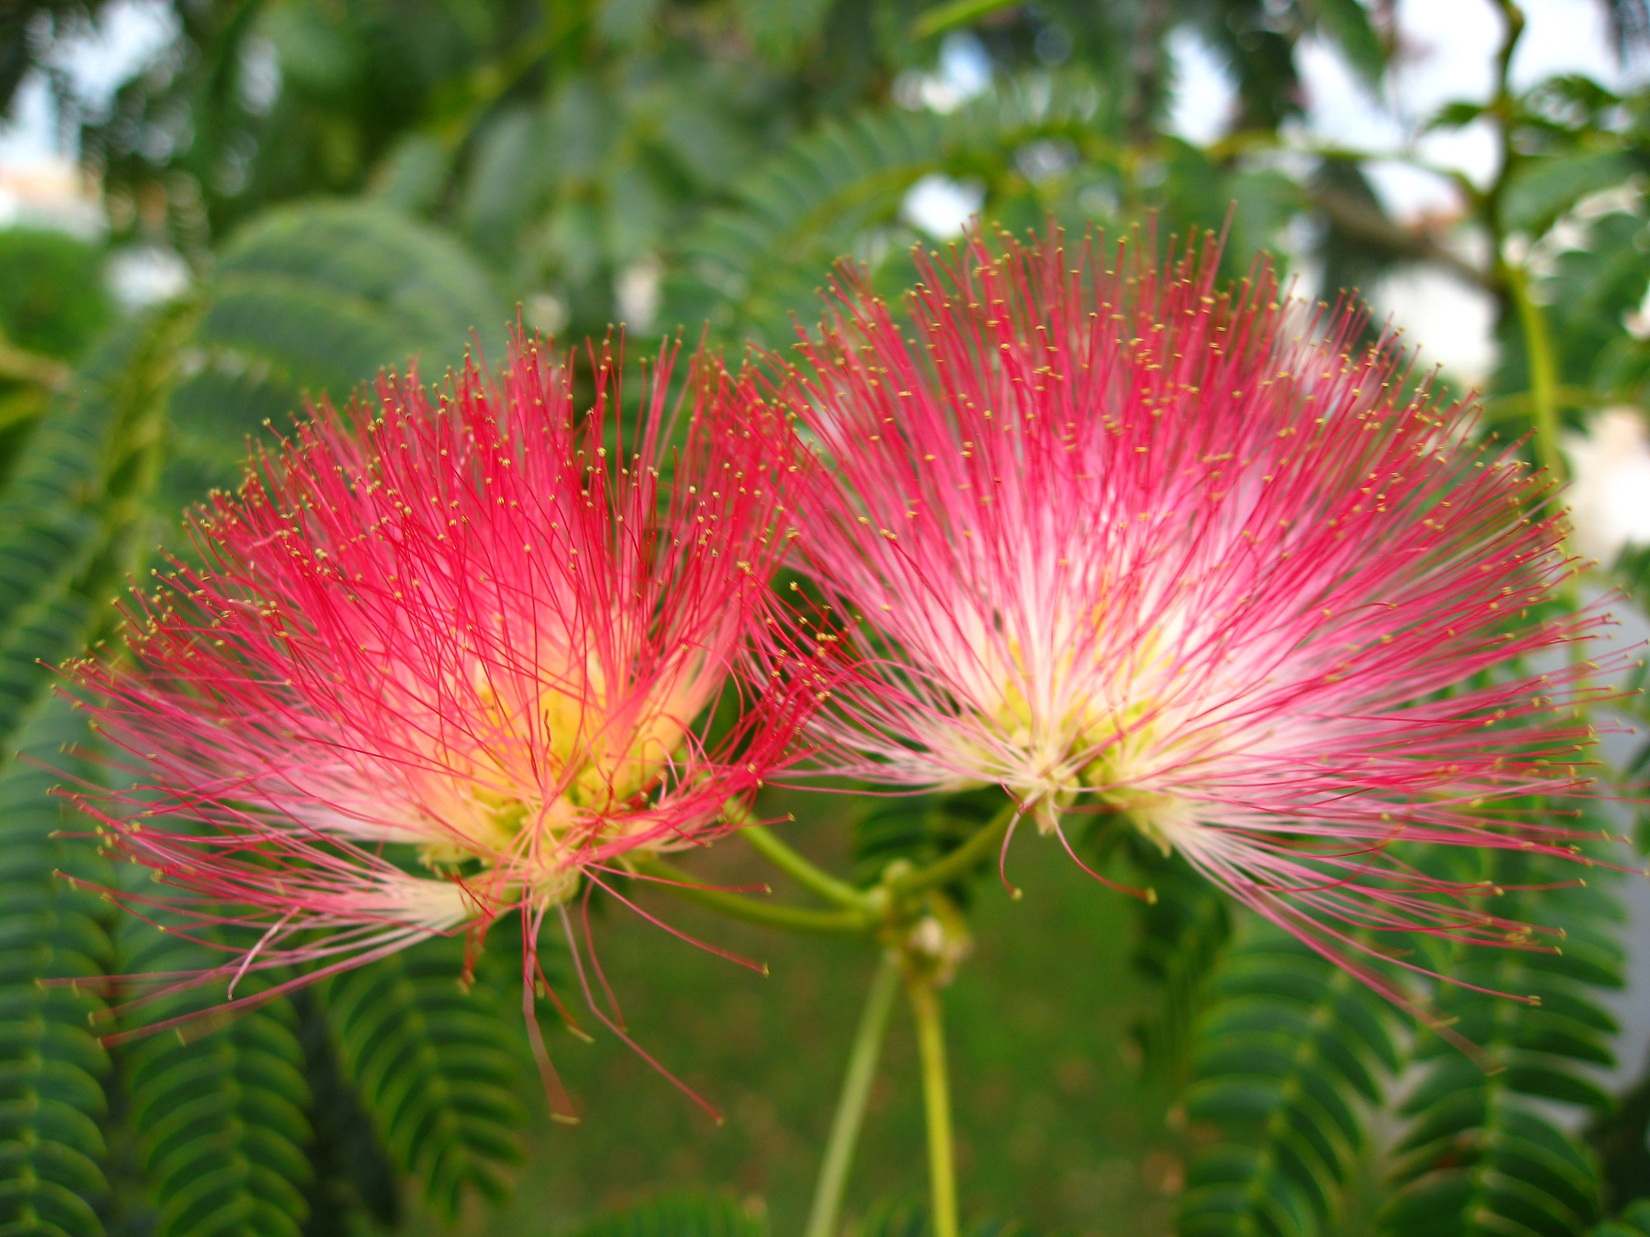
[219, 210]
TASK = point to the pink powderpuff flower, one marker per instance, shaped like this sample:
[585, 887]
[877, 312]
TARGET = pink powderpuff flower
[1123, 543]
[444, 657]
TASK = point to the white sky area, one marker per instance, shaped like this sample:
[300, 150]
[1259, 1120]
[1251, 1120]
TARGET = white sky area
[130, 34]
[1446, 52]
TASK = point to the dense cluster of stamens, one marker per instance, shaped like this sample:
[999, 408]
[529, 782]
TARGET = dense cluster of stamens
[1123, 543]
[1110, 538]
[444, 656]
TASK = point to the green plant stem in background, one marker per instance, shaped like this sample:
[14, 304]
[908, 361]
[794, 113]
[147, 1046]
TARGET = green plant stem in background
[936, 1103]
[1543, 370]
[856, 1091]
[964, 859]
[776, 852]
[737, 906]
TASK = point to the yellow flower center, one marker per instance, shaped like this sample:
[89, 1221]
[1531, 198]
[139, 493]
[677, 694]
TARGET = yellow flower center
[539, 776]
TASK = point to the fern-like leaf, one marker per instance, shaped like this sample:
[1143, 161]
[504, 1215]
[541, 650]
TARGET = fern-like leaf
[71, 515]
[52, 1069]
[750, 266]
[439, 1069]
[1485, 1153]
[1290, 1053]
[918, 830]
[217, 1112]
[1183, 932]
[316, 300]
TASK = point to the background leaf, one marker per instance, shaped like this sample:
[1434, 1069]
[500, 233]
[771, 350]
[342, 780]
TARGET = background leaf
[1292, 1053]
[439, 1070]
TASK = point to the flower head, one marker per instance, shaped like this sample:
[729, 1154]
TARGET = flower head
[1124, 543]
[445, 655]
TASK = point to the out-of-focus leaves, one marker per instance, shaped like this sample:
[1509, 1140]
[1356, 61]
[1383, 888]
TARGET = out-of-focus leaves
[1634, 1222]
[1589, 288]
[686, 1216]
[918, 830]
[75, 505]
[1456, 114]
[1347, 24]
[52, 296]
[1544, 188]
[1183, 933]
[748, 269]
[313, 301]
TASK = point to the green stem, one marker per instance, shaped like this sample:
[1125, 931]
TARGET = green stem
[1543, 367]
[856, 1091]
[964, 859]
[936, 1102]
[768, 844]
[737, 906]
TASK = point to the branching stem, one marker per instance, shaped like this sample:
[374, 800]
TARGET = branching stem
[936, 1102]
[769, 914]
[963, 860]
[768, 844]
[856, 1092]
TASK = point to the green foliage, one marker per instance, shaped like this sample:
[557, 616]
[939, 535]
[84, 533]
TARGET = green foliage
[1621, 1139]
[917, 829]
[52, 1069]
[748, 268]
[1291, 1052]
[569, 153]
[439, 1070]
[1182, 934]
[1634, 1222]
[355, 1188]
[74, 506]
[217, 1112]
[688, 1216]
[1630, 573]
[52, 298]
[1484, 1152]
[314, 301]
[911, 1220]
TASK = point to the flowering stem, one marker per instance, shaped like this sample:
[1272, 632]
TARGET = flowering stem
[962, 860]
[789, 918]
[856, 1091]
[936, 1100]
[1543, 370]
[788, 861]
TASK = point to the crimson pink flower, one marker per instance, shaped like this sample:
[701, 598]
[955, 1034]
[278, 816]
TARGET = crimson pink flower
[1123, 543]
[445, 656]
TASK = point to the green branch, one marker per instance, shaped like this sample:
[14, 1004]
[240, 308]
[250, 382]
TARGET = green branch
[936, 1103]
[943, 17]
[856, 1092]
[737, 906]
[1543, 370]
[768, 844]
[963, 860]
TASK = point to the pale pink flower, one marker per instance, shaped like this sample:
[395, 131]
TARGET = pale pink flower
[1122, 542]
[447, 655]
